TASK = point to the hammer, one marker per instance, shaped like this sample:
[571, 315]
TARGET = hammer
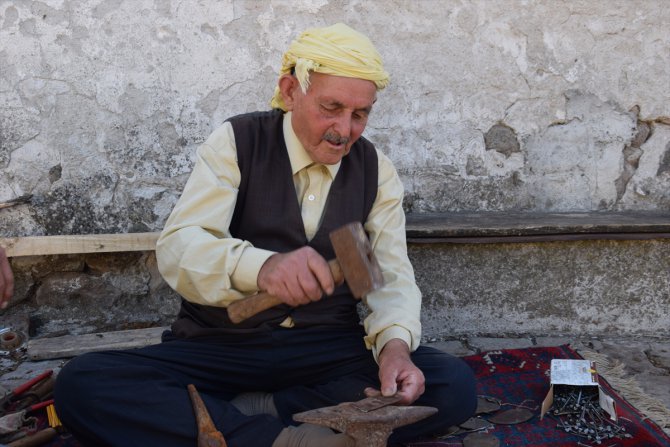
[354, 262]
[208, 435]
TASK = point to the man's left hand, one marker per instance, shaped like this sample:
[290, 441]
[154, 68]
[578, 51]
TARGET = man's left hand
[398, 374]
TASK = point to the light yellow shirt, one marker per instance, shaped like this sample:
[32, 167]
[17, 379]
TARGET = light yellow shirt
[199, 258]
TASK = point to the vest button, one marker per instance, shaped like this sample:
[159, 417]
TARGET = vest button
[311, 197]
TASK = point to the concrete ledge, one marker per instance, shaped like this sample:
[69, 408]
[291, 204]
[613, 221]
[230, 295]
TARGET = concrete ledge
[422, 228]
[500, 227]
[472, 279]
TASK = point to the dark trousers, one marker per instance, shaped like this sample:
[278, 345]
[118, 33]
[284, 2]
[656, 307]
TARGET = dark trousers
[139, 397]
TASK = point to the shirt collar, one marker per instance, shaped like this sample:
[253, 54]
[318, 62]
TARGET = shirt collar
[297, 154]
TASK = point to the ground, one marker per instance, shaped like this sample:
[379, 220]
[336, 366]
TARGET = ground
[646, 360]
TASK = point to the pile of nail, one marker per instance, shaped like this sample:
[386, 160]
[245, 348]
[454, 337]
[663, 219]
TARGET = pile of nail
[578, 412]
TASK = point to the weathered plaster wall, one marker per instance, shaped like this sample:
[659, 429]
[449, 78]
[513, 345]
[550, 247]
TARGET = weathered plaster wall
[494, 105]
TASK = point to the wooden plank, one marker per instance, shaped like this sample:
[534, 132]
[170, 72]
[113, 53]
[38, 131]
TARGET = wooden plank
[72, 345]
[433, 227]
[504, 224]
[538, 238]
[72, 244]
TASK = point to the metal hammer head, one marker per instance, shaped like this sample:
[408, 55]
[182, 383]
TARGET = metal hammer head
[354, 254]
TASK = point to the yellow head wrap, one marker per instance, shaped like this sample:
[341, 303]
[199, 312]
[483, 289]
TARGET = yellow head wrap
[335, 50]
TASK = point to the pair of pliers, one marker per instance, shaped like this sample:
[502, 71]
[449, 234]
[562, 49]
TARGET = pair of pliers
[19, 393]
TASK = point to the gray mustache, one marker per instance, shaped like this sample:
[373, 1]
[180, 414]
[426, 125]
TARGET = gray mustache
[335, 139]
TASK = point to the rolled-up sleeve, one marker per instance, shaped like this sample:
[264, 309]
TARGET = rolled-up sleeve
[394, 308]
[197, 256]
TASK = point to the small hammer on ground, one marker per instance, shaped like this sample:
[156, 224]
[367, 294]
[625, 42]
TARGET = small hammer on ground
[369, 421]
[208, 435]
[354, 262]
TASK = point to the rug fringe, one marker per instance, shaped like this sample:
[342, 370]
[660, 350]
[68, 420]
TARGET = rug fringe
[614, 372]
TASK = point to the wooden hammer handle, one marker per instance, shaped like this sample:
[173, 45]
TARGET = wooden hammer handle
[208, 435]
[245, 308]
[35, 439]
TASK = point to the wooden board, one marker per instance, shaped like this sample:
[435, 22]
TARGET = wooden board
[72, 345]
[72, 244]
[484, 227]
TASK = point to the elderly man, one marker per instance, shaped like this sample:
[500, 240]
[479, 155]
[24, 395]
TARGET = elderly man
[6, 280]
[255, 214]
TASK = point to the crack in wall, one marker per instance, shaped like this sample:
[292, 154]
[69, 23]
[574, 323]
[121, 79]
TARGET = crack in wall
[632, 153]
[664, 166]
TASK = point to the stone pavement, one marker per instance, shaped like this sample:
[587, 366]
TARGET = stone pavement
[647, 360]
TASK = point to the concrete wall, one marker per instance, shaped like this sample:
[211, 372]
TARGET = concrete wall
[494, 105]
[80, 294]
[553, 288]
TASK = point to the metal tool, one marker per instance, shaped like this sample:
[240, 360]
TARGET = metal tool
[354, 263]
[375, 403]
[480, 440]
[208, 435]
[40, 381]
[43, 436]
[368, 423]
[512, 416]
[487, 404]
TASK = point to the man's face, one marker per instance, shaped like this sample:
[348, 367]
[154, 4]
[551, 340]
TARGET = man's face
[331, 116]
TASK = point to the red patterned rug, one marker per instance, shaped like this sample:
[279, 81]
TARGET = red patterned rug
[519, 378]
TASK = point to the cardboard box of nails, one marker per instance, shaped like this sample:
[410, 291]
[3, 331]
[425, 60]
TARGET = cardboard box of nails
[574, 390]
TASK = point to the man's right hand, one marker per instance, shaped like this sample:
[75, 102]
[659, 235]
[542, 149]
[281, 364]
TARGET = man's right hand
[297, 277]
[6, 280]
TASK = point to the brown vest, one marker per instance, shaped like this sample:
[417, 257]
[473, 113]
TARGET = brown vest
[267, 214]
